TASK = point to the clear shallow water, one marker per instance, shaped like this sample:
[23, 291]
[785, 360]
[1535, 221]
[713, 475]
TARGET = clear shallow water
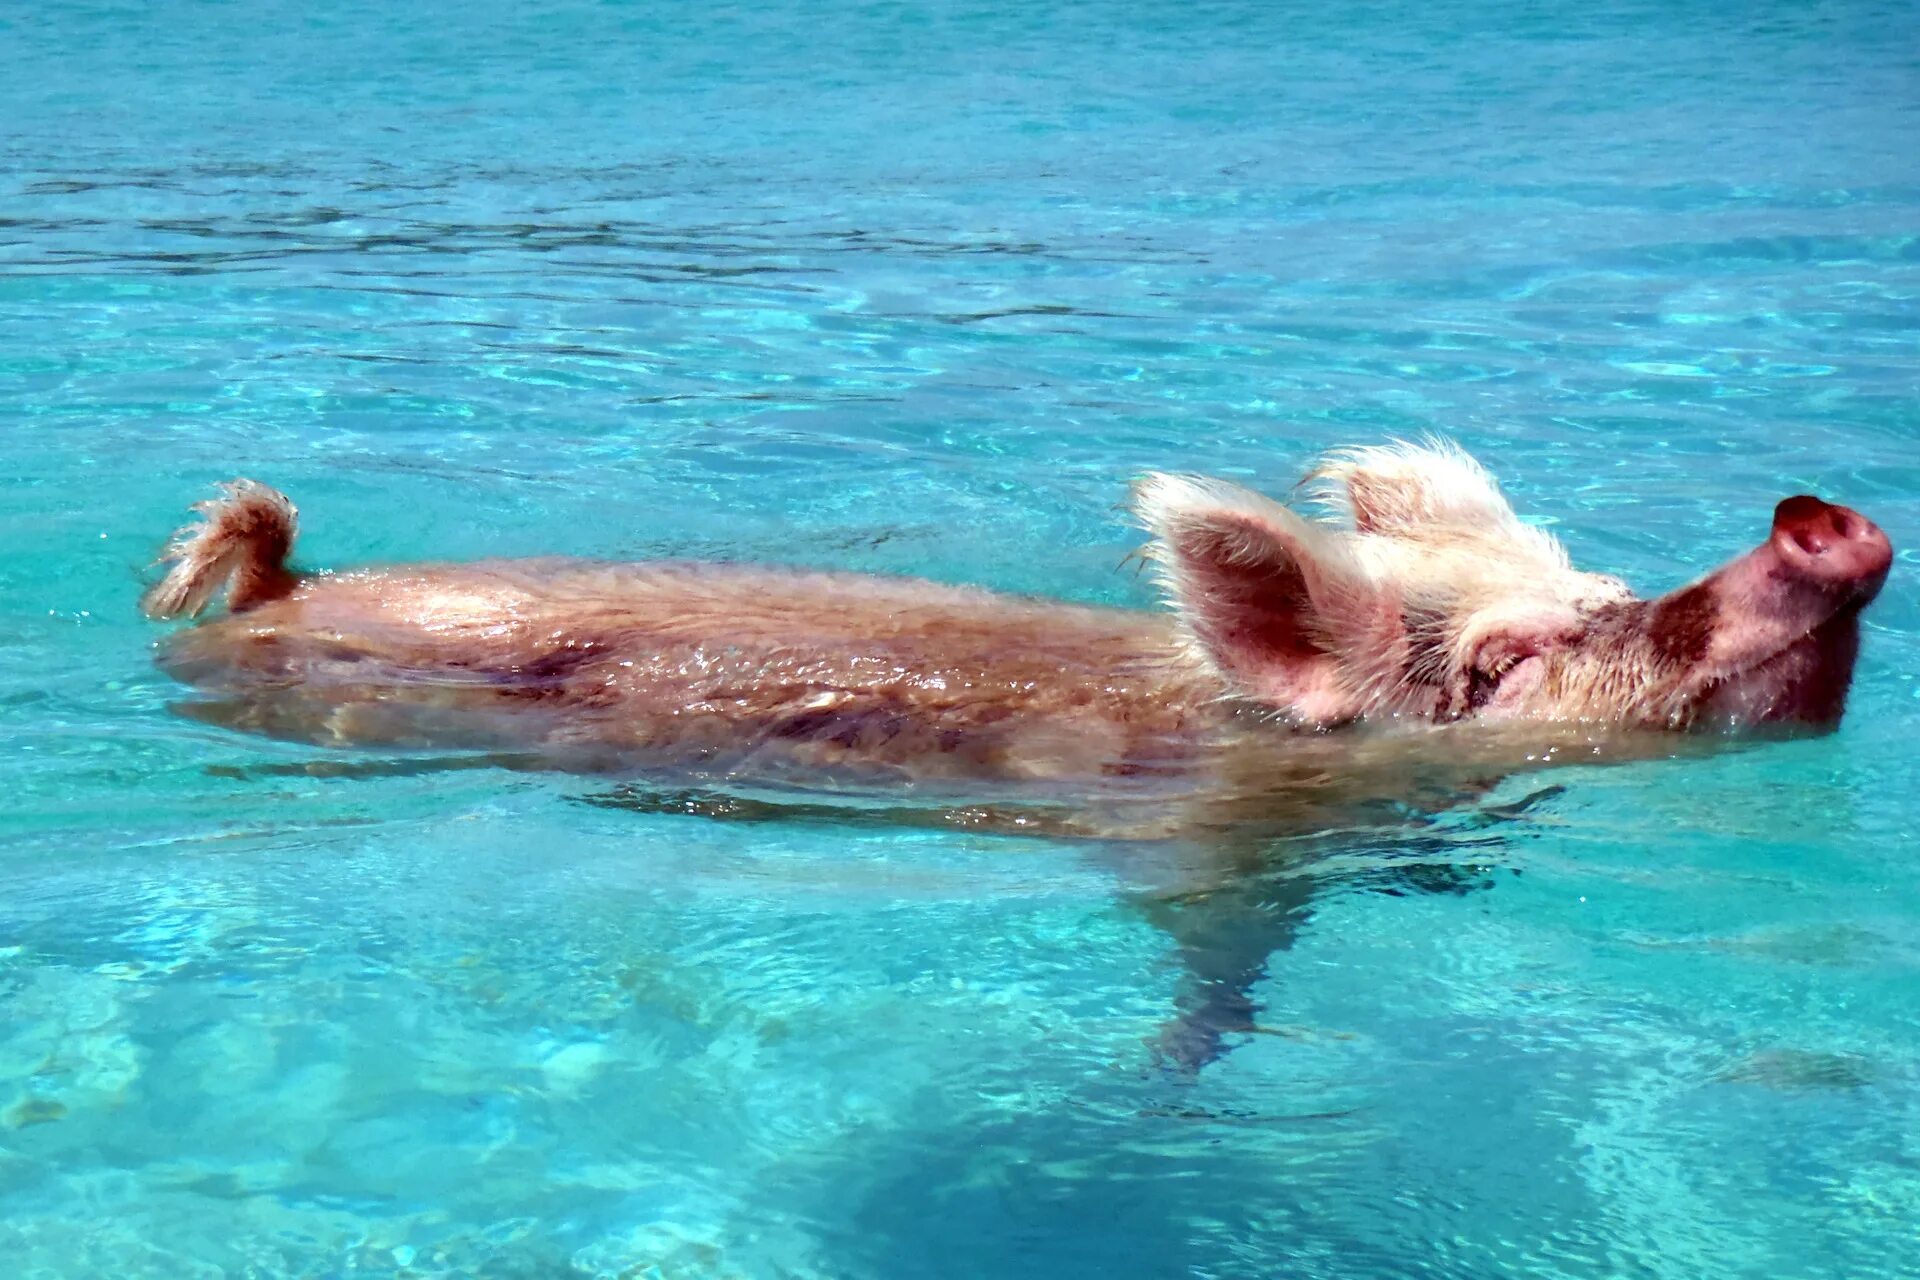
[917, 289]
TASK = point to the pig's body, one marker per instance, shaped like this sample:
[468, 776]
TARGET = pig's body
[604, 664]
[1432, 603]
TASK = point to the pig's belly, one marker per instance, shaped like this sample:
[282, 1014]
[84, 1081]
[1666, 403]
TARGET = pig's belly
[597, 666]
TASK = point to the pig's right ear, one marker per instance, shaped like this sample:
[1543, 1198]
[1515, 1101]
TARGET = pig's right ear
[1266, 600]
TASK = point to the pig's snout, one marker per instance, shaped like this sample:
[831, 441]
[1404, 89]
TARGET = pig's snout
[1832, 547]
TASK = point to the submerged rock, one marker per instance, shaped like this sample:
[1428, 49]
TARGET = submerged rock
[1799, 1069]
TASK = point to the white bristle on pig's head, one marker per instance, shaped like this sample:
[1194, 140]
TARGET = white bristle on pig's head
[1430, 492]
[1405, 485]
[1430, 517]
[1436, 578]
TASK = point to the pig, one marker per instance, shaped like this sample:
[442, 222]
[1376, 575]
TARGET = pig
[1416, 596]
[1236, 718]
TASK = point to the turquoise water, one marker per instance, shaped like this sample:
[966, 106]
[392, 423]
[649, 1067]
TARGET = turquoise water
[918, 287]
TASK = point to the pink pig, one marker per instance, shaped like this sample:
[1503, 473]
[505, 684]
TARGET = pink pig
[1431, 601]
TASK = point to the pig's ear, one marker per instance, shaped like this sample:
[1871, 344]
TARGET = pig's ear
[1269, 602]
[1406, 489]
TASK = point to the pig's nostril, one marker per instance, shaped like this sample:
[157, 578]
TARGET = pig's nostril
[1829, 544]
[1810, 525]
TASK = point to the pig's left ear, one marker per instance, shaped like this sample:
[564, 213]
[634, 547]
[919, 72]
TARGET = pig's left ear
[1271, 603]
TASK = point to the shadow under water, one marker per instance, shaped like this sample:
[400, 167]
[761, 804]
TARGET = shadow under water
[1228, 896]
[1228, 859]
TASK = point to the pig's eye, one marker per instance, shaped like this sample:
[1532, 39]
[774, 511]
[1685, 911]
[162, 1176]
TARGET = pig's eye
[1504, 672]
[1484, 682]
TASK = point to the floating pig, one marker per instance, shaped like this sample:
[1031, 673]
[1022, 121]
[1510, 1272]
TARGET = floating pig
[1425, 599]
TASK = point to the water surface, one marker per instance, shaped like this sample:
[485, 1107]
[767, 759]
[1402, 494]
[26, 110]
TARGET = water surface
[917, 288]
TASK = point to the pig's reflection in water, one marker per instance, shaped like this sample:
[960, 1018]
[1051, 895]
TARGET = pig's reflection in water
[1228, 860]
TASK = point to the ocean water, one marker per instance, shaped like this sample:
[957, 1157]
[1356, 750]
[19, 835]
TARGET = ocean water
[917, 287]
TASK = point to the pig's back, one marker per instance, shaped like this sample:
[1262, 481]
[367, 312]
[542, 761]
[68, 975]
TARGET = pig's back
[703, 662]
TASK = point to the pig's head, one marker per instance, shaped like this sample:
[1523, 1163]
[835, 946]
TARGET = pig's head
[1435, 602]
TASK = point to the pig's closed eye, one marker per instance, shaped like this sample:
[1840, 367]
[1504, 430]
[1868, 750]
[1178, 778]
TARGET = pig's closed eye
[1512, 673]
[1483, 683]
